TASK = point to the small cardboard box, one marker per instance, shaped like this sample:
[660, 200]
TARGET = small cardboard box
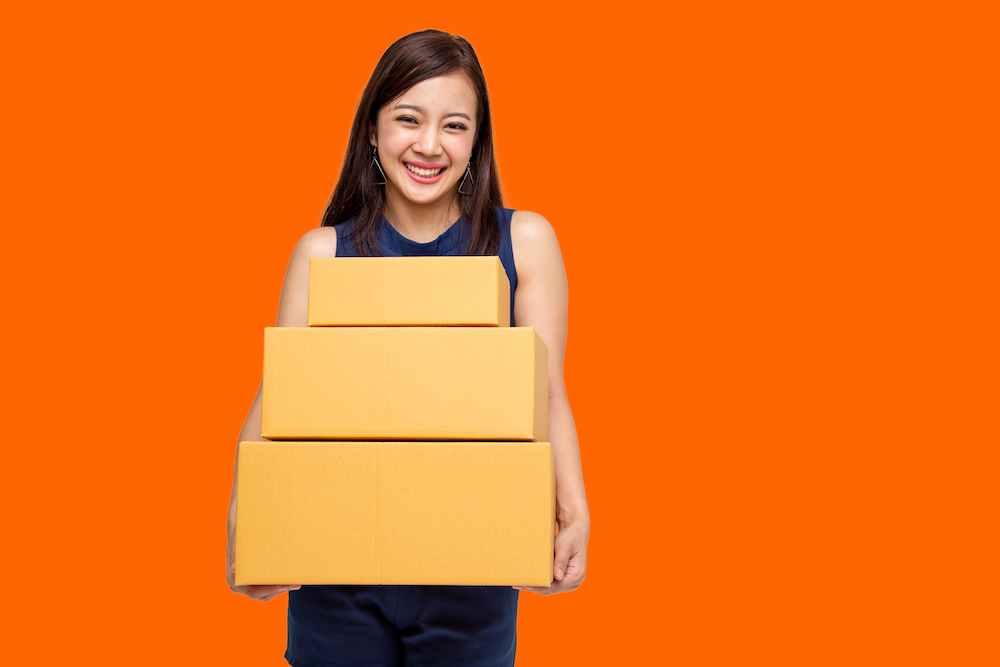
[448, 513]
[405, 383]
[408, 291]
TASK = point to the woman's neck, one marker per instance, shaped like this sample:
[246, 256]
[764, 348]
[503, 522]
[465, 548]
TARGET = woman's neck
[420, 222]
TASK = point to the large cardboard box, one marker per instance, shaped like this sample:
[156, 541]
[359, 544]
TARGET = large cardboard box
[408, 291]
[462, 513]
[405, 383]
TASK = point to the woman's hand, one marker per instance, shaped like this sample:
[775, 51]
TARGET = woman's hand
[570, 563]
[262, 593]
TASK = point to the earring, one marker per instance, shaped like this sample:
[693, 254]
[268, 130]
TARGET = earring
[375, 162]
[468, 174]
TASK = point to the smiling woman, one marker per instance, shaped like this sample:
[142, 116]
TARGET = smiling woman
[425, 107]
[423, 142]
[420, 178]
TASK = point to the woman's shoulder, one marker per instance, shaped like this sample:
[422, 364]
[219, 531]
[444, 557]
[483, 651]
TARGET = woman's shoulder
[533, 241]
[530, 225]
[528, 228]
[318, 242]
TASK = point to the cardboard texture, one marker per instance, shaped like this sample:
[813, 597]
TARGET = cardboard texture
[406, 383]
[448, 513]
[408, 291]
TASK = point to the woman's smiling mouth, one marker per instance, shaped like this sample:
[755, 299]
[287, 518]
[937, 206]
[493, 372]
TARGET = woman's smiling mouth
[424, 173]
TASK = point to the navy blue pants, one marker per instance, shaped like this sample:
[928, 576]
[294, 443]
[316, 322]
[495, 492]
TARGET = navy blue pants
[383, 626]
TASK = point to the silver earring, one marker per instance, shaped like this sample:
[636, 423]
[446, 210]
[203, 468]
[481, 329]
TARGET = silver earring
[468, 174]
[375, 162]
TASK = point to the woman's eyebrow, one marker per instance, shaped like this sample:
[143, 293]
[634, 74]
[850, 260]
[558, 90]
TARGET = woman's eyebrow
[421, 110]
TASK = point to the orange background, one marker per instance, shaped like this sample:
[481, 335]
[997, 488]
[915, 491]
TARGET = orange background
[778, 224]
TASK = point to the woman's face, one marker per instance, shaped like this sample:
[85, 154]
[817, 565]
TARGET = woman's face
[424, 139]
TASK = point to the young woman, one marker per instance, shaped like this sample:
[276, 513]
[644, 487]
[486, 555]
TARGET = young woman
[420, 178]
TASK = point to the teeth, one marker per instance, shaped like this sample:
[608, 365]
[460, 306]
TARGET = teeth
[426, 173]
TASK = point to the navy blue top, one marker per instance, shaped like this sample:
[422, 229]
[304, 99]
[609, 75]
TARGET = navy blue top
[453, 241]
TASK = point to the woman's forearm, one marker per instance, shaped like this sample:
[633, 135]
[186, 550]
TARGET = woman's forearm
[571, 497]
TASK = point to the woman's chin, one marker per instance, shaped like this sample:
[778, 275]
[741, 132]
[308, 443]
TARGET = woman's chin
[425, 195]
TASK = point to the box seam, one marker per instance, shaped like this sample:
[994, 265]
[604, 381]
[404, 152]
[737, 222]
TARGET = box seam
[378, 511]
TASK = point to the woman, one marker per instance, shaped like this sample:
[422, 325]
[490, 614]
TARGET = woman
[420, 178]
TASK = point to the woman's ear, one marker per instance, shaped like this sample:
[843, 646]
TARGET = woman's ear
[371, 135]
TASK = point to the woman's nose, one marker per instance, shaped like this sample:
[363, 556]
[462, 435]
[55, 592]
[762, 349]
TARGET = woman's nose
[427, 141]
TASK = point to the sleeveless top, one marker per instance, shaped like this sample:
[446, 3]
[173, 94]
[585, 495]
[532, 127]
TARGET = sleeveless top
[453, 241]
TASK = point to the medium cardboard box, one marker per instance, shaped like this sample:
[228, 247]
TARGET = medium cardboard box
[408, 291]
[405, 383]
[451, 513]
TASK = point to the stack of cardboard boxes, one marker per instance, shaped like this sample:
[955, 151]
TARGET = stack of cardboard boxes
[408, 423]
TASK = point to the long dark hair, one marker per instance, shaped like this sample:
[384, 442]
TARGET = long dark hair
[411, 59]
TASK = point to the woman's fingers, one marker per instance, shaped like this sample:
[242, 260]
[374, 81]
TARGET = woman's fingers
[264, 596]
[271, 594]
[575, 571]
[569, 583]
[264, 593]
[564, 549]
[532, 589]
[569, 564]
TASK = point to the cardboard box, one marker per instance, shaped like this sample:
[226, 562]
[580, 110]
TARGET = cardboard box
[460, 513]
[405, 383]
[408, 291]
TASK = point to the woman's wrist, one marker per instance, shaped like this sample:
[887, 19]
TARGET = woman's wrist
[569, 513]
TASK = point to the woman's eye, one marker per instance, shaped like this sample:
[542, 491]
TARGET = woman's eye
[407, 119]
[457, 126]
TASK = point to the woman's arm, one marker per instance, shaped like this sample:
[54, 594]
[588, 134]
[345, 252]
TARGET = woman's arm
[541, 301]
[293, 311]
